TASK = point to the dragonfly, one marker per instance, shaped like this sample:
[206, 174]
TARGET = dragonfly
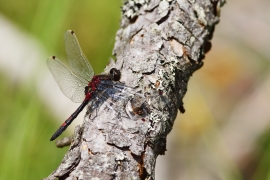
[79, 82]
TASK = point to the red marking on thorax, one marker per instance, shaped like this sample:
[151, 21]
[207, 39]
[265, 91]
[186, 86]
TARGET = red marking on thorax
[93, 83]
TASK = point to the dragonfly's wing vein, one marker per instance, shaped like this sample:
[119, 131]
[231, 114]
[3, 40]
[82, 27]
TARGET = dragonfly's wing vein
[71, 85]
[77, 60]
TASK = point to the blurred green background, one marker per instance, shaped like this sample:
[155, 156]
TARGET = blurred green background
[224, 133]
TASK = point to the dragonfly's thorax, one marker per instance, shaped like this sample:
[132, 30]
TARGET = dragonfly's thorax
[94, 83]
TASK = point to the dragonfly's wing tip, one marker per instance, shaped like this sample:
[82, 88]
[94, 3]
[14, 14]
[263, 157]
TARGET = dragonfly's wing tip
[70, 31]
[77, 60]
[52, 57]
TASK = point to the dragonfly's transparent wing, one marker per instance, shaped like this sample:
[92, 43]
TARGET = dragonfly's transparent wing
[70, 84]
[77, 60]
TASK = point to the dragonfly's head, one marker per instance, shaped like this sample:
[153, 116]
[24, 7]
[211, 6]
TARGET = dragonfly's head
[115, 74]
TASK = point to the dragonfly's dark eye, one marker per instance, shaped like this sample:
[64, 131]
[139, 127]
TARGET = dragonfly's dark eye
[116, 74]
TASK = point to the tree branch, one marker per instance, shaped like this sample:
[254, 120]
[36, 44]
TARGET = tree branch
[159, 46]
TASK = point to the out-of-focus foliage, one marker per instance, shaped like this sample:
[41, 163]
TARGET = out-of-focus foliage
[24, 131]
[95, 24]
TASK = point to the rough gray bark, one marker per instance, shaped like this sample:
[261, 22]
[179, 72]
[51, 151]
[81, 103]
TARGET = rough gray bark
[159, 46]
